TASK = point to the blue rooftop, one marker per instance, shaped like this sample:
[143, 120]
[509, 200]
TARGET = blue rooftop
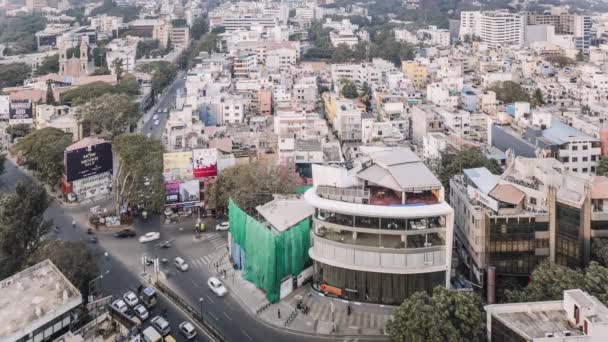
[483, 179]
[559, 133]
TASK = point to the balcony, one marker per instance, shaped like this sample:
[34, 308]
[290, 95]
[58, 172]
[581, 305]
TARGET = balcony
[378, 240]
[375, 195]
[346, 221]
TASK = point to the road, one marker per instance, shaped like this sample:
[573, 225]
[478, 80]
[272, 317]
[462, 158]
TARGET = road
[166, 101]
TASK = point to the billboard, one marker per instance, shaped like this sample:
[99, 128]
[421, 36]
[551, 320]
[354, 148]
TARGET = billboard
[4, 107]
[172, 192]
[93, 186]
[88, 161]
[204, 163]
[189, 191]
[177, 166]
[21, 112]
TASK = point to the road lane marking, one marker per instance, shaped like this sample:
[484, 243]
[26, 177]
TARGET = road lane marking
[249, 337]
[212, 315]
[209, 298]
[195, 284]
[225, 314]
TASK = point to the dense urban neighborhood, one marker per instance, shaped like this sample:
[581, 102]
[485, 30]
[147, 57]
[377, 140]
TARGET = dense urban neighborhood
[304, 170]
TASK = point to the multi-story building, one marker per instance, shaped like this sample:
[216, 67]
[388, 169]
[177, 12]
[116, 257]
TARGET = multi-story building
[536, 210]
[379, 234]
[578, 317]
[566, 24]
[180, 36]
[417, 72]
[495, 28]
[37, 304]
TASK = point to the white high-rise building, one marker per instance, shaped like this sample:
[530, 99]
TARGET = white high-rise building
[495, 28]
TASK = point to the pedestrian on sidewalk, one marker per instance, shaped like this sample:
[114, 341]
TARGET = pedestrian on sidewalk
[279, 312]
[348, 310]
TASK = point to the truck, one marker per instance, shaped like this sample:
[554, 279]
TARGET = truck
[151, 335]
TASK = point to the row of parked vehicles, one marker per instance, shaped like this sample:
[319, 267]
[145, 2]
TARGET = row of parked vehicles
[139, 310]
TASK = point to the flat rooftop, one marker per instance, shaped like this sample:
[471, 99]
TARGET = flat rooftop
[32, 298]
[535, 324]
[284, 213]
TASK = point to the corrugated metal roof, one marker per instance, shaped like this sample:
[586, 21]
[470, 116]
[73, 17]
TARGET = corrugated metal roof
[483, 179]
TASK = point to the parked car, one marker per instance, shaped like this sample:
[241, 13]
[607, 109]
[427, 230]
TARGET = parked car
[155, 117]
[141, 312]
[180, 264]
[156, 122]
[131, 299]
[120, 305]
[161, 325]
[125, 233]
[151, 236]
[217, 286]
[187, 329]
[222, 226]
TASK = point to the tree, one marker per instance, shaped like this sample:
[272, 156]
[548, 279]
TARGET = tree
[580, 56]
[14, 74]
[18, 32]
[2, 161]
[72, 258]
[366, 97]
[22, 225]
[50, 98]
[602, 166]
[101, 71]
[110, 114]
[117, 65]
[509, 92]
[162, 76]
[447, 315]
[599, 249]
[41, 151]
[537, 99]
[84, 93]
[342, 53]
[250, 185]
[139, 174]
[549, 281]
[200, 26]
[18, 130]
[471, 157]
[129, 85]
[50, 64]
[145, 47]
[349, 89]
[560, 60]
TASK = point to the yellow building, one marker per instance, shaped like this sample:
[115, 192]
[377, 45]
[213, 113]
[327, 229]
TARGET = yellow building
[416, 72]
[330, 104]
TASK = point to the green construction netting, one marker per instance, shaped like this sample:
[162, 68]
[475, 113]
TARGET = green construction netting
[300, 190]
[269, 256]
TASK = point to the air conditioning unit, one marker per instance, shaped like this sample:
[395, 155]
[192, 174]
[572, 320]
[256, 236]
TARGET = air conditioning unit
[549, 335]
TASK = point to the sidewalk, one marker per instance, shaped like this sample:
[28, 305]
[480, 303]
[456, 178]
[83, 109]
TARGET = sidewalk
[365, 319]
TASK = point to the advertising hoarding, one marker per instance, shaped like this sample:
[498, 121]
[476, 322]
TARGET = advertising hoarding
[21, 112]
[88, 161]
[189, 191]
[204, 163]
[177, 166]
[172, 191]
[93, 186]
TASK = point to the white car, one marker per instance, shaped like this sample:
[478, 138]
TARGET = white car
[155, 117]
[149, 135]
[151, 236]
[156, 122]
[161, 325]
[217, 286]
[222, 226]
[120, 305]
[187, 329]
[180, 264]
[131, 299]
[141, 312]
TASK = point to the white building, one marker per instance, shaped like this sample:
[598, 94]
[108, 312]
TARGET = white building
[231, 110]
[124, 49]
[379, 234]
[495, 28]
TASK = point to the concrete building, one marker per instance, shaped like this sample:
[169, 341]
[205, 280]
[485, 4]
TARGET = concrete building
[124, 49]
[495, 28]
[425, 120]
[417, 72]
[578, 317]
[37, 304]
[180, 36]
[379, 235]
[566, 24]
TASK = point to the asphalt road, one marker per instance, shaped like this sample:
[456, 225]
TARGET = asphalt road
[166, 101]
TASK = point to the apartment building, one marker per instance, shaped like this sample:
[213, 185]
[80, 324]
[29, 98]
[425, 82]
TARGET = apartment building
[379, 235]
[495, 28]
[566, 24]
[180, 36]
[416, 72]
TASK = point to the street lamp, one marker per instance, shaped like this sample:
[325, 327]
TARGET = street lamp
[201, 301]
[100, 277]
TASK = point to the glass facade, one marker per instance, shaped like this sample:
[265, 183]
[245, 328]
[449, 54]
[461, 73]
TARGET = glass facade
[50, 331]
[513, 244]
[567, 240]
[376, 287]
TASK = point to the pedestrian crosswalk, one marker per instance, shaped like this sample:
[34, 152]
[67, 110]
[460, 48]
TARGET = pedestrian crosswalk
[215, 239]
[322, 311]
[207, 261]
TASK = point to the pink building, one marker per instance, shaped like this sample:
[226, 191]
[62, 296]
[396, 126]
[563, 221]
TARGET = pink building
[265, 102]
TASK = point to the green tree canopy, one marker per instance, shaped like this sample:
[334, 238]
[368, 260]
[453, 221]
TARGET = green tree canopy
[139, 175]
[453, 163]
[84, 93]
[18, 32]
[349, 89]
[13, 74]
[72, 258]
[109, 7]
[250, 185]
[41, 151]
[200, 26]
[561, 61]
[446, 316]
[110, 114]
[22, 225]
[2, 161]
[162, 75]
[537, 99]
[509, 92]
[50, 64]
[146, 47]
[599, 250]
[602, 166]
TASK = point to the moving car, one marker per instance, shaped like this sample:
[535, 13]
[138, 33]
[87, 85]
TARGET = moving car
[141, 312]
[120, 305]
[222, 226]
[180, 264]
[124, 233]
[151, 236]
[217, 286]
[131, 299]
[187, 329]
[155, 117]
[161, 325]
[156, 122]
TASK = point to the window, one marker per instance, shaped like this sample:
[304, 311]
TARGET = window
[585, 147]
[533, 200]
[593, 157]
[585, 169]
[574, 159]
[574, 148]
[574, 170]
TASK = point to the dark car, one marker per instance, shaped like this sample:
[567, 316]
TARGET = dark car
[124, 233]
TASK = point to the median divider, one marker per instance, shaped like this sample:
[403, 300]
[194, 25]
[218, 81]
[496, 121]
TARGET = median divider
[179, 301]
